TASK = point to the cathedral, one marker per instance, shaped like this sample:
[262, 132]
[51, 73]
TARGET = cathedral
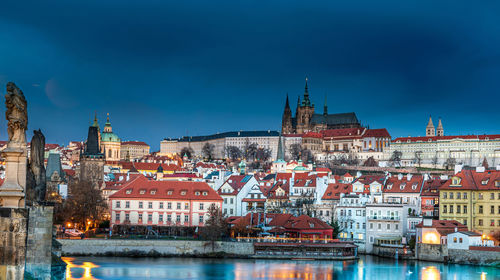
[306, 119]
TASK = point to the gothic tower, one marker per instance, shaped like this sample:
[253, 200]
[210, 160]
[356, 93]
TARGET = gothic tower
[304, 113]
[430, 130]
[440, 130]
[286, 124]
[91, 158]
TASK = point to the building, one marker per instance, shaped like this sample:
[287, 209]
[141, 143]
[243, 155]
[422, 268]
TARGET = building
[91, 159]
[264, 139]
[351, 216]
[440, 150]
[306, 119]
[110, 143]
[472, 197]
[430, 197]
[386, 224]
[463, 240]
[162, 203]
[54, 174]
[431, 231]
[405, 190]
[132, 150]
[233, 191]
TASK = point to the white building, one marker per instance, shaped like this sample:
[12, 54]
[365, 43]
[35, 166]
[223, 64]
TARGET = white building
[351, 216]
[233, 191]
[463, 239]
[386, 224]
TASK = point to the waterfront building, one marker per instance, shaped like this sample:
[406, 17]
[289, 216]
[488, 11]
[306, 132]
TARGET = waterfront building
[55, 176]
[405, 190]
[351, 216]
[386, 224]
[132, 150]
[110, 144]
[431, 231]
[430, 197]
[254, 201]
[306, 119]
[473, 198]
[264, 139]
[162, 203]
[463, 240]
[331, 198]
[233, 191]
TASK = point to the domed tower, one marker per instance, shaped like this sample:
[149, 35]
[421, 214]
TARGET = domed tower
[286, 124]
[430, 130]
[110, 143]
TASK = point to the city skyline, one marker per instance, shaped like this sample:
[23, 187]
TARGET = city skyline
[170, 74]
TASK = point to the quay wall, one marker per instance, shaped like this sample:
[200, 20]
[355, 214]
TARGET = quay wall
[475, 255]
[432, 252]
[152, 248]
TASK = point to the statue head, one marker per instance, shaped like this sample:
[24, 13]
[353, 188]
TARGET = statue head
[13, 89]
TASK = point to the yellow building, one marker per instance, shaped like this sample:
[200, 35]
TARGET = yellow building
[110, 144]
[472, 198]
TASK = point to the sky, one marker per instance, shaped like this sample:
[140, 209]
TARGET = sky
[166, 69]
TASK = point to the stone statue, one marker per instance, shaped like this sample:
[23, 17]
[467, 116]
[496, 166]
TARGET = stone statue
[35, 177]
[16, 114]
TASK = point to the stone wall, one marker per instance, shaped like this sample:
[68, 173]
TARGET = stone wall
[13, 233]
[398, 252]
[432, 252]
[126, 247]
[38, 255]
[478, 257]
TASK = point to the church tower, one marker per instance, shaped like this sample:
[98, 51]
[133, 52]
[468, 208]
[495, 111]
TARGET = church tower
[286, 124]
[430, 130]
[110, 143]
[305, 113]
[440, 130]
[91, 158]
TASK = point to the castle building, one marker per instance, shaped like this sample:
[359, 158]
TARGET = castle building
[91, 159]
[110, 143]
[306, 119]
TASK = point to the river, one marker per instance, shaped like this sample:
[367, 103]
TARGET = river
[367, 267]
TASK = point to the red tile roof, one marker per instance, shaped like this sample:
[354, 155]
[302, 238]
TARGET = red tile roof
[138, 143]
[394, 185]
[441, 138]
[142, 188]
[236, 182]
[344, 133]
[312, 135]
[472, 180]
[444, 227]
[150, 166]
[378, 133]
[333, 191]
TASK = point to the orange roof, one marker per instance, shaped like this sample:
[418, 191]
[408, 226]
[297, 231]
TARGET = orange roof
[333, 191]
[142, 188]
[138, 143]
[438, 138]
[345, 133]
[394, 185]
[379, 132]
[472, 180]
[312, 135]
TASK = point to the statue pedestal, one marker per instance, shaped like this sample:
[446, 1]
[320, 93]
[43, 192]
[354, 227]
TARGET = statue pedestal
[12, 190]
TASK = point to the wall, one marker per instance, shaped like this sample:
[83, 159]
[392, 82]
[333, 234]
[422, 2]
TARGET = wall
[143, 247]
[432, 252]
[479, 257]
[39, 247]
[13, 232]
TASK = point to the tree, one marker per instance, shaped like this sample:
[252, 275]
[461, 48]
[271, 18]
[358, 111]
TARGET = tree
[84, 205]
[371, 162]
[233, 152]
[187, 151]
[250, 150]
[295, 151]
[215, 227]
[418, 158]
[435, 160]
[307, 156]
[450, 162]
[208, 151]
[263, 154]
[485, 163]
[395, 159]
[305, 204]
[336, 228]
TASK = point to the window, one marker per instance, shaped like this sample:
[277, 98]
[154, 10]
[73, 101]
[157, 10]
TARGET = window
[492, 210]
[231, 211]
[232, 200]
[379, 226]
[129, 191]
[492, 223]
[150, 217]
[458, 209]
[465, 221]
[388, 226]
[186, 206]
[161, 205]
[201, 206]
[492, 196]
[117, 217]
[458, 195]
[397, 227]
[371, 239]
[364, 225]
[150, 205]
[140, 218]
[225, 200]
[465, 195]
[454, 240]
[445, 209]
[127, 217]
[201, 219]
[142, 191]
[127, 204]
[169, 205]
[186, 218]
[480, 209]
[445, 195]
[465, 209]
[160, 218]
[451, 195]
[178, 218]
[451, 209]
[178, 206]
[460, 240]
[169, 218]
[140, 204]
[480, 222]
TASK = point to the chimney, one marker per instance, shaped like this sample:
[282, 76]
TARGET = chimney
[400, 176]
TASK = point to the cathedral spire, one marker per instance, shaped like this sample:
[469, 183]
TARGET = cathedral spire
[440, 130]
[287, 104]
[430, 130]
[96, 123]
[306, 101]
[281, 153]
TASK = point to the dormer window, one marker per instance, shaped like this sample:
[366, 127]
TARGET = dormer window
[402, 186]
[497, 183]
[389, 186]
[196, 193]
[153, 191]
[129, 191]
[170, 192]
[485, 182]
[205, 193]
[183, 192]
[414, 186]
[311, 225]
[456, 181]
[142, 191]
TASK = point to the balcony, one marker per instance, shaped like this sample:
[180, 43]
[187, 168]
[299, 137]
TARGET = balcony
[383, 218]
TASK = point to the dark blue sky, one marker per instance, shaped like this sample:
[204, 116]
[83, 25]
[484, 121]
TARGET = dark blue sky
[165, 68]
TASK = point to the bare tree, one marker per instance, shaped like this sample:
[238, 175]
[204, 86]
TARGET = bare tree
[263, 154]
[250, 150]
[215, 227]
[208, 151]
[450, 162]
[418, 158]
[435, 160]
[295, 151]
[307, 156]
[371, 162]
[233, 152]
[395, 159]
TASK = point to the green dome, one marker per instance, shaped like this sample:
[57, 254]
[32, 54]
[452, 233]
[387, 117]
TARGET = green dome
[109, 137]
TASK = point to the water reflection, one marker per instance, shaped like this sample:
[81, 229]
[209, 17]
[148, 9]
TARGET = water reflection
[367, 267]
